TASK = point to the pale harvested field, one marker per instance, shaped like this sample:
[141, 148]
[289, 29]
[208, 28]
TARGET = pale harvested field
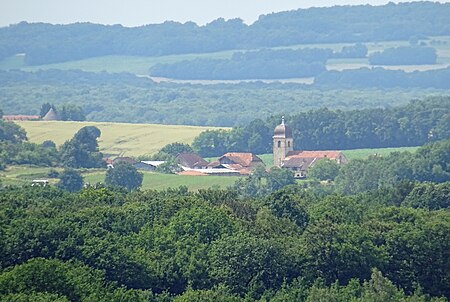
[117, 138]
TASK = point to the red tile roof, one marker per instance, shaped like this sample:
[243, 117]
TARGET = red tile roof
[243, 159]
[315, 154]
[191, 160]
[20, 117]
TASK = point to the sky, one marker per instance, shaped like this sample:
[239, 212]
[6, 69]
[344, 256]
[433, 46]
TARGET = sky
[140, 12]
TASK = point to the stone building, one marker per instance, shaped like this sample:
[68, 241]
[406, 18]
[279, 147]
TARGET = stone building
[299, 161]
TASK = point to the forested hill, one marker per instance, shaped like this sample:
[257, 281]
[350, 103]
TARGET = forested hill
[46, 43]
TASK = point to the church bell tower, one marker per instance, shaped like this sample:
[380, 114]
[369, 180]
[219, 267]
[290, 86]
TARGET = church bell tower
[282, 143]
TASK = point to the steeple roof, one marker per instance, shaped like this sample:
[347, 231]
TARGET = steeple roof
[282, 130]
[51, 115]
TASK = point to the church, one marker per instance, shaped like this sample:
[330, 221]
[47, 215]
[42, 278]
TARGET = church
[298, 161]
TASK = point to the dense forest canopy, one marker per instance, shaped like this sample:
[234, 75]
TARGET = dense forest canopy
[292, 245]
[45, 43]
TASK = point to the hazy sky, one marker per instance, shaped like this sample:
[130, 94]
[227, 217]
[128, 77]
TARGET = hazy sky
[138, 12]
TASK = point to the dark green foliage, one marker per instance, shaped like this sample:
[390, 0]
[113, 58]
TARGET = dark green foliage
[284, 204]
[52, 279]
[263, 64]
[324, 169]
[429, 163]
[278, 178]
[124, 175]
[243, 263]
[168, 167]
[109, 245]
[404, 56]
[45, 108]
[419, 253]
[174, 149]
[82, 150]
[214, 295]
[377, 77]
[28, 153]
[170, 151]
[340, 252]
[11, 132]
[48, 144]
[70, 180]
[429, 196]
[260, 182]
[70, 112]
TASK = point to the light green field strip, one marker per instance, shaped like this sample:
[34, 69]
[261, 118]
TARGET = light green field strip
[117, 138]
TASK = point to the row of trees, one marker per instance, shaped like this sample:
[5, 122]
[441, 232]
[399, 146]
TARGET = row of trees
[45, 43]
[79, 152]
[68, 112]
[291, 245]
[415, 124]
[378, 77]
[262, 64]
[404, 56]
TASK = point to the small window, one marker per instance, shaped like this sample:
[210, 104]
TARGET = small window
[279, 144]
[289, 144]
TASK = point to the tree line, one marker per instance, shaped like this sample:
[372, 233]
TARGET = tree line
[415, 124]
[404, 56]
[79, 152]
[45, 43]
[377, 77]
[67, 112]
[307, 62]
[262, 64]
[214, 245]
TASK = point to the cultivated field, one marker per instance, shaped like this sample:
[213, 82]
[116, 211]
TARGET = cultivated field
[141, 65]
[117, 138]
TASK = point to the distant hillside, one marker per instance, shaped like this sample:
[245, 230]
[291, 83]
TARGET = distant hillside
[45, 43]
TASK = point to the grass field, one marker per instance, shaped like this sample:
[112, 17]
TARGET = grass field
[141, 65]
[23, 175]
[365, 153]
[116, 138]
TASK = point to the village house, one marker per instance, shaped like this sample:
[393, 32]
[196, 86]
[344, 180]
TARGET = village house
[284, 155]
[242, 162]
[191, 161]
[148, 165]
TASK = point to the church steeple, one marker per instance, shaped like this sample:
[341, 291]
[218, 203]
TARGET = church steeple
[283, 142]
